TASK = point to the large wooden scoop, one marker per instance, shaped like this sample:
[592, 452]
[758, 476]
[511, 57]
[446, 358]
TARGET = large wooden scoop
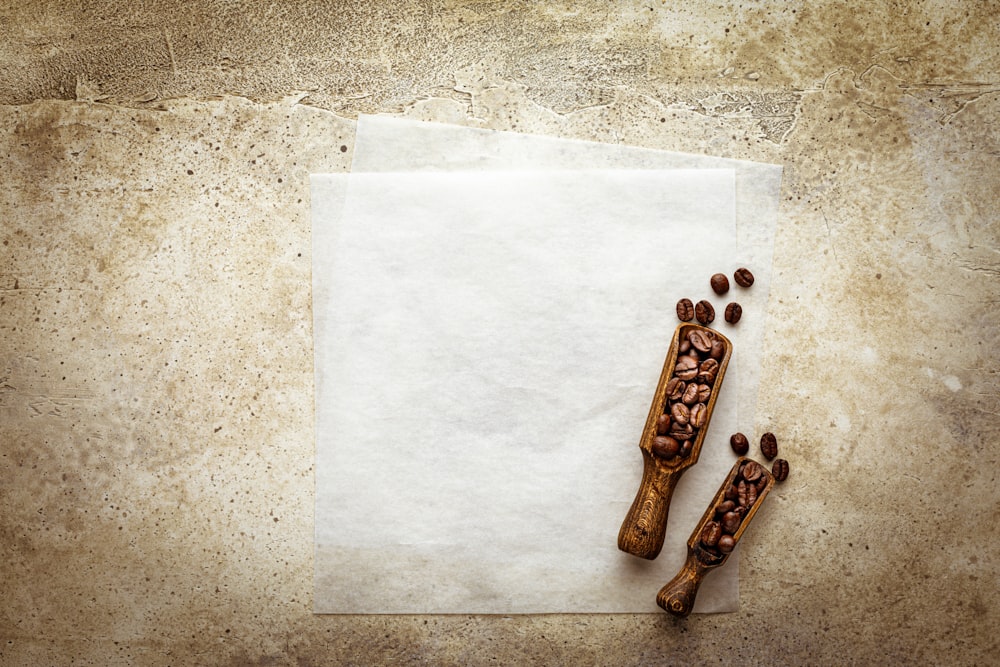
[697, 359]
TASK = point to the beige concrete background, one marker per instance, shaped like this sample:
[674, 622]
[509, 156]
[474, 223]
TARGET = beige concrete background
[156, 436]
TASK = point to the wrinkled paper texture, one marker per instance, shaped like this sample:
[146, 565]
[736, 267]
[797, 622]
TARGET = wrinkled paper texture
[487, 347]
[386, 144]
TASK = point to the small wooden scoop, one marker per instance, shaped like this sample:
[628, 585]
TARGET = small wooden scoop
[677, 597]
[645, 525]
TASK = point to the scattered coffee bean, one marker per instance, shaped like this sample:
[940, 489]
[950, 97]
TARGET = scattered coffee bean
[720, 283]
[704, 312]
[665, 447]
[780, 470]
[726, 544]
[768, 446]
[685, 310]
[743, 277]
[739, 443]
[734, 312]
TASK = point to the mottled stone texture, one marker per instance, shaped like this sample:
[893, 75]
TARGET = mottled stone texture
[156, 435]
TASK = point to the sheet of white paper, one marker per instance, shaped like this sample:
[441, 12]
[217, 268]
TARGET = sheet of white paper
[487, 345]
[386, 143]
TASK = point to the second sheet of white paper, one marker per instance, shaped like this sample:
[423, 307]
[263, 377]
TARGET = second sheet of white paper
[487, 345]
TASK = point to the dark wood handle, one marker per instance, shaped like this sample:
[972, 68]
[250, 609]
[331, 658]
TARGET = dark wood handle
[677, 597]
[645, 525]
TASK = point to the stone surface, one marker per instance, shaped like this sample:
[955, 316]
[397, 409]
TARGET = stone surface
[155, 336]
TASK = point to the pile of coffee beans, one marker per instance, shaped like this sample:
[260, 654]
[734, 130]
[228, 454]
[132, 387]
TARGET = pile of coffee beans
[704, 312]
[717, 534]
[688, 391]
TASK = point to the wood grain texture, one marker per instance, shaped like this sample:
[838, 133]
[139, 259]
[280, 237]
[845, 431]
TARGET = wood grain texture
[644, 528]
[678, 595]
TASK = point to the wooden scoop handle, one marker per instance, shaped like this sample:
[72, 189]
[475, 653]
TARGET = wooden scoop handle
[677, 597]
[645, 525]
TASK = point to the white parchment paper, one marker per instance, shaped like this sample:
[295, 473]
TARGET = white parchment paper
[386, 143]
[487, 345]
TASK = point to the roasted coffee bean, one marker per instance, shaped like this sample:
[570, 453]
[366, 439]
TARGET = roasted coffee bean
[752, 471]
[690, 396]
[663, 424]
[730, 522]
[684, 346]
[725, 506]
[780, 470]
[665, 447]
[685, 310]
[719, 283]
[699, 415]
[704, 312]
[675, 388]
[734, 312]
[718, 349]
[686, 367]
[751, 495]
[726, 544]
[681, 431]
[704, 393]
[768, 446]
[732, 494]
[680, 414]
[710, 534]
[739, 443]
[761, 484]
[707, 371]
[686, 448]
[743, 277]
[741, 493]
[701, 340]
